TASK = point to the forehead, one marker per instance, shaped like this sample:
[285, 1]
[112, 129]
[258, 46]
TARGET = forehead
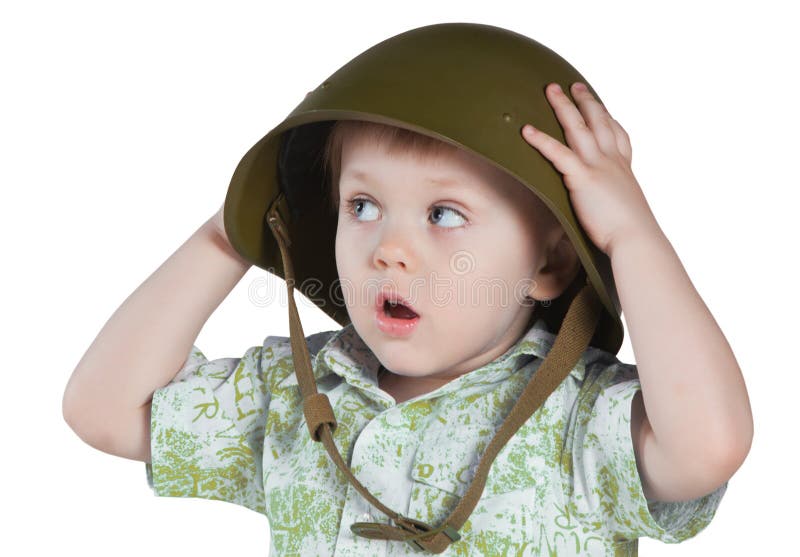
[371, 163]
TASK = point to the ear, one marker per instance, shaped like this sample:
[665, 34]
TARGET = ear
[558, 267]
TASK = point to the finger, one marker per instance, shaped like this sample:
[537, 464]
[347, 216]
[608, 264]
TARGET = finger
[623, 140]
[562, 157]
[578, 134]
[597, 117]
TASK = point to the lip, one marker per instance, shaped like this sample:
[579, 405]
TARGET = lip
[393, 326]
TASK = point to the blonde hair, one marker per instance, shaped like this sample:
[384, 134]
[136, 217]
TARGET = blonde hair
[399, 141]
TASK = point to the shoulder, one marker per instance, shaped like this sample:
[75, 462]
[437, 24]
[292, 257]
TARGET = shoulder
[604, 399]
[276, 353]
[281, 347]
[605, 460]
[603, 369]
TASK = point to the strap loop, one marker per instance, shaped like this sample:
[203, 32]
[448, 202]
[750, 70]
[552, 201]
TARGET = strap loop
[318, 411]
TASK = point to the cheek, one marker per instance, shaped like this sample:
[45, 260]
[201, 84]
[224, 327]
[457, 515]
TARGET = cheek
[350, 249]
[341, 251]
[501, 267]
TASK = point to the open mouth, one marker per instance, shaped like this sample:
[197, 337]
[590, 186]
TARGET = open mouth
[397, 310]
[394, 315]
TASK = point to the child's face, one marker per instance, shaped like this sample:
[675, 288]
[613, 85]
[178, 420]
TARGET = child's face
[466, 275]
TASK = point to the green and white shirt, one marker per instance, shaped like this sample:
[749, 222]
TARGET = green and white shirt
[566, 483]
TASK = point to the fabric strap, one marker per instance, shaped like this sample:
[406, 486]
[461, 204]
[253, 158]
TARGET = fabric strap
[572, 340]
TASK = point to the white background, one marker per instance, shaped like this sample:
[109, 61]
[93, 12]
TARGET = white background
[120, 127]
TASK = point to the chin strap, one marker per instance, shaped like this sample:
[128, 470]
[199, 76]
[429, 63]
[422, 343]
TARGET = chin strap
[573, 337]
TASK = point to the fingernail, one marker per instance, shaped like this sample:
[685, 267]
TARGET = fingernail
[528, 129]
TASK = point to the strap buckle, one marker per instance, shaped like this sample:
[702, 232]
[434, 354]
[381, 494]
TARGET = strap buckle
[414, 527]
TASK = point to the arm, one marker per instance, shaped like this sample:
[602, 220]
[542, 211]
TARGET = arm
[146, 341]
[691, 425]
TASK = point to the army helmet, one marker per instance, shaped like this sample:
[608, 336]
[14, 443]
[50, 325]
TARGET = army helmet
[467, 84]
[472, 86]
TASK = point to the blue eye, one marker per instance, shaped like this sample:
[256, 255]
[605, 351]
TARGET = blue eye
[440, 209]
[357, 207]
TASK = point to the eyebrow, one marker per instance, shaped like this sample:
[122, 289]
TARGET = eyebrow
[362, 176]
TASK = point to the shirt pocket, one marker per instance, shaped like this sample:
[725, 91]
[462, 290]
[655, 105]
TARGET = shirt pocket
[445, 464]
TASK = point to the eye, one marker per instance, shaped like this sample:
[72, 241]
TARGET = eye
[357, 207]
[442, 210]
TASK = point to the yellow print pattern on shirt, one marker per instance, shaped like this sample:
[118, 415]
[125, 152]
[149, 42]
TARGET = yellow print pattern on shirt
[565, 484]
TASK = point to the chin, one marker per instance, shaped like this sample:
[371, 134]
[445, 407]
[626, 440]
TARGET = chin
[397, 364]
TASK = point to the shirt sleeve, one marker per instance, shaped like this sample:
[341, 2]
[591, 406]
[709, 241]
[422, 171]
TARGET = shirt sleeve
[207, 430]
[605, 491]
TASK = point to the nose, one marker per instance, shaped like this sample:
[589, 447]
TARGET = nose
[394, 250]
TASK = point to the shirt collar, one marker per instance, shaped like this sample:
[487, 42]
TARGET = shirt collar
[347, 355]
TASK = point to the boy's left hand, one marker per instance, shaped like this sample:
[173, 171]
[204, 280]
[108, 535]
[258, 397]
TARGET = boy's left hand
[605, 195]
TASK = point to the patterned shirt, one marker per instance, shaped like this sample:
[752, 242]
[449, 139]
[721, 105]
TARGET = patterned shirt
[566, 483]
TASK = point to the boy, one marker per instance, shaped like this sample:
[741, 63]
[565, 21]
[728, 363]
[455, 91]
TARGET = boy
[418, 392]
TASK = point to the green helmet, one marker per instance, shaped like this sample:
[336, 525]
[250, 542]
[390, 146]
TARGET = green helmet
[470, 85]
